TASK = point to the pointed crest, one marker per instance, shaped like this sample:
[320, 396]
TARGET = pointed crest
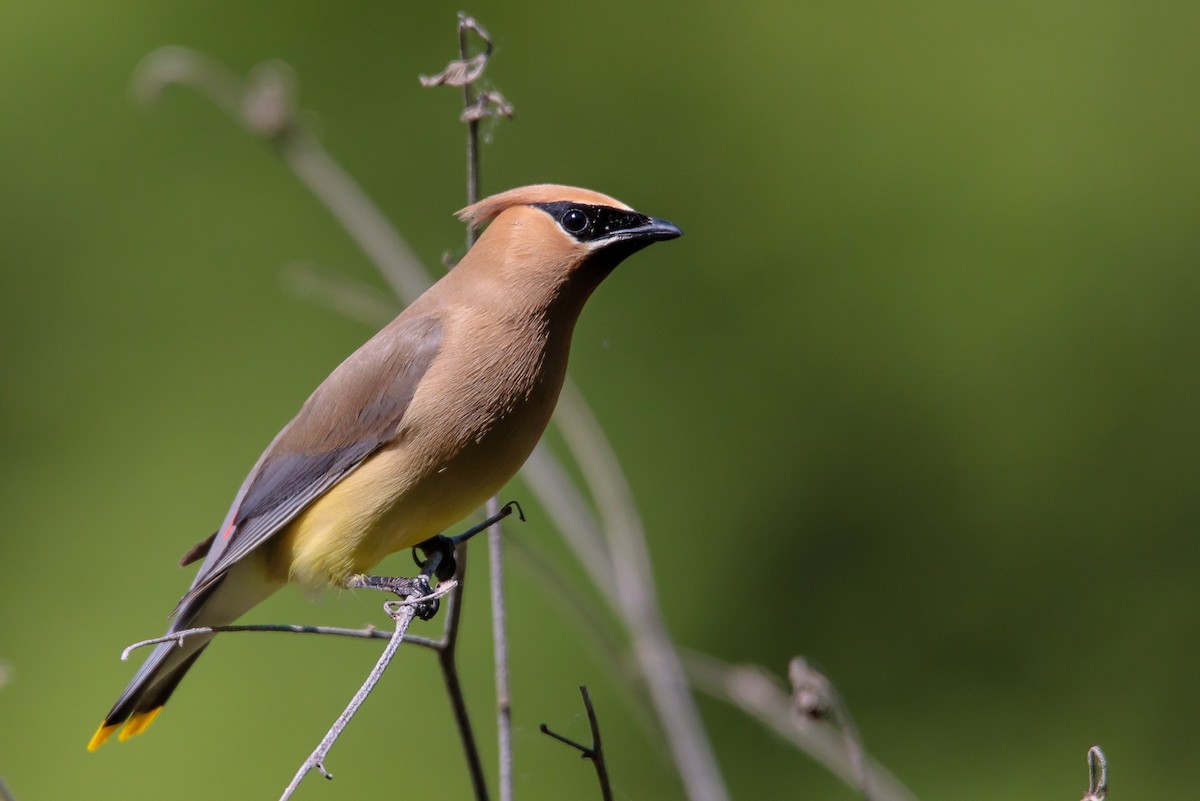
[489, 208]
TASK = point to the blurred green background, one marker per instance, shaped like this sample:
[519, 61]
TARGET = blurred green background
[915, 396]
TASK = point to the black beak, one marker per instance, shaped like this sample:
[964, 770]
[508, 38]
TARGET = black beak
[653, 230]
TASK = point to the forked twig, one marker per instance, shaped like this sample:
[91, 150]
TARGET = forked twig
[594, 752]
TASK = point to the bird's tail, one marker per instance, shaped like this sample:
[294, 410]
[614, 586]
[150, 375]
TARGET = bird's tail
[160, 674]
[143, 699]
[157, 678]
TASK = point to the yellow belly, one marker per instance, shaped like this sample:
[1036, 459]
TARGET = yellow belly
[375, 511]
[397, 498]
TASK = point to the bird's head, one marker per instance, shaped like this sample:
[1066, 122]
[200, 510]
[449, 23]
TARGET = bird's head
[559, 235]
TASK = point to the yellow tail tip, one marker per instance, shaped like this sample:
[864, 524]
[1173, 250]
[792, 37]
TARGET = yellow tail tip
[138, 723]
[103, 733]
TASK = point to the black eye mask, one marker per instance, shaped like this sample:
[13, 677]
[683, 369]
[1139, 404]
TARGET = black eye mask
[588, 223]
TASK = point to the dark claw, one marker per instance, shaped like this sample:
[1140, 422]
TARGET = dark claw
[427, 609]
[419, 587]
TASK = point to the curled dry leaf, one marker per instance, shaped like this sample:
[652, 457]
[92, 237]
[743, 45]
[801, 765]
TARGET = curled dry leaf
[488, 104]
[459, 72]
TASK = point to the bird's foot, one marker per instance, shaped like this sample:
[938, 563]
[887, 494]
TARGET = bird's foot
[443, 546]
[408, 589]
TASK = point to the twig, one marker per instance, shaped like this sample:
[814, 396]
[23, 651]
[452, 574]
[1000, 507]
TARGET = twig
[5, 793]
[447, 648]
[759, 694]
[465, 25]
[264, 106]
[367, 633]
[358, 215]
[1097, 775]
[316, 759]
[464, 73]
[815, 699]
[565, 504]
[500, 649]
[341, 294]
[637, 602]
[594, 752]
[400, 611]
[597, 753]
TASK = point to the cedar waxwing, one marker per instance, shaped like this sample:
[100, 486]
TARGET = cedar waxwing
[415, 430]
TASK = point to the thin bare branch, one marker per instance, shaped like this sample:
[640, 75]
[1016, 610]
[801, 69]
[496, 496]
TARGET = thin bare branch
[637, 601]
[341, 294]
[448, 661]
[464, 72]
[815, 698]
[5, 793]
[594, 752]
[597, 755]
[569, 596]
[346, 200]
[601, 636]
[316, 760]
[185, 67]
[400, 611]
[1097, 775]
[366, 633]
[500, 651]
[570, 513]
[466, 26]
[264, 105]
[760, 694]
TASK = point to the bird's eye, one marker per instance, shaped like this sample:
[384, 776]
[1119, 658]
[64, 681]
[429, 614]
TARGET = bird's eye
[574, 221]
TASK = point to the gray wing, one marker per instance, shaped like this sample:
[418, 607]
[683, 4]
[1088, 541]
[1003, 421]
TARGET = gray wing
[352, 414]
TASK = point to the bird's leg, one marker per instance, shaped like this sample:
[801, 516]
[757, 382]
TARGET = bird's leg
[439, 561]
[444, 546]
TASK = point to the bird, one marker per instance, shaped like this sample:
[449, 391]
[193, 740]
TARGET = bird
[414, 430]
